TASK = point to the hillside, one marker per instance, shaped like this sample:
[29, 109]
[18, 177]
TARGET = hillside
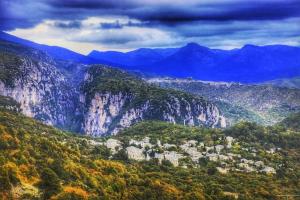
[115, 99]
[92, 99]
[264, 104]
[288, 82]
[41, 162]
[292, 122]
[54, 51]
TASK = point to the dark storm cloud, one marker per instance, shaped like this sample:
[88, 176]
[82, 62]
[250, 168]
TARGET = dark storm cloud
[118, 25]
[230, 11]
[210, 21]
[16, 14]
[94, 4]
[71, 24]
[114, 25]
[110, 39]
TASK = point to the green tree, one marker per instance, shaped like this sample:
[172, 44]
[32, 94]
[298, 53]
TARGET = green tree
[50, 183]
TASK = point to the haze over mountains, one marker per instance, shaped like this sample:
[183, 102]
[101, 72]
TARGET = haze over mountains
[248, 64]
[63, 68]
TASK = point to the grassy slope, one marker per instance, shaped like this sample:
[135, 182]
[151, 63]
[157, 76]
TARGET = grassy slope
[39, 161]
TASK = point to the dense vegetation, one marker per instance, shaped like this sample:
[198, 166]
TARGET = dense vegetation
[155, 102]
[9, 68]
[263, 104]
[292, 122]
[9, 104]
[235, 113]
[12, 57]
[108, 79]
[41, 162]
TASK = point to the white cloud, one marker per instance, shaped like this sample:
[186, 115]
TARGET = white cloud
[90, 36]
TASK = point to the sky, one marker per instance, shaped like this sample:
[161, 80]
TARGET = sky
[123, 25]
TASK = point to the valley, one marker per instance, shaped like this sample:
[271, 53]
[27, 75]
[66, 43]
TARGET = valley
[95, 100]
[83, 130]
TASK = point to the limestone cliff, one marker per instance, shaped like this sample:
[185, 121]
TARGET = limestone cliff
[41, 89]
[114, 100]
[95, 100]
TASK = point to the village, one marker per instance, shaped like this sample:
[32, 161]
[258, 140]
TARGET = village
[192, 153]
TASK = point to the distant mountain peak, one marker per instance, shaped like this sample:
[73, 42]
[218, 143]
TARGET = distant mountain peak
[249, 46]
[195, 47]
[192, 44]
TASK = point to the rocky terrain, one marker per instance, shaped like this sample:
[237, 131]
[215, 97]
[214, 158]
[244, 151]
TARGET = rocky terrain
[114, 100]
[33, 79]
[95, 100]
[264, 104]
[157, 142]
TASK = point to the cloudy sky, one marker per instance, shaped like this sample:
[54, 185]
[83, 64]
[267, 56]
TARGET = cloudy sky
[84, 25]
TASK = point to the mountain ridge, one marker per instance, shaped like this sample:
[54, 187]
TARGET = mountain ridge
[92, 99]
[248, 64]
[222, 65]
[264, 104]
[55, 51]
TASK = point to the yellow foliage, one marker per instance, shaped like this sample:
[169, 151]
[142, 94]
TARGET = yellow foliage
[10, 165]
[165, 187]
[119, 167]
[6, 137]
[13, 152]
[77, 191]
[76, 170]
[50, 161]
[25, 174]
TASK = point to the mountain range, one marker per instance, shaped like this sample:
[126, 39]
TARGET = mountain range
[72, 128]
[249, 64]
[98, 99]
[93, 99]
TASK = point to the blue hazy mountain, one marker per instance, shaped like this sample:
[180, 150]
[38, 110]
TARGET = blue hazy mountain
[139, 57]
[54, 51]
[248, 64]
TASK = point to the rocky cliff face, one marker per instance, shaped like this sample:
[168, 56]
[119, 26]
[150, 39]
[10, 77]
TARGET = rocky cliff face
[102, 102]
[42, 91]
[121, 103]
[265, 104]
